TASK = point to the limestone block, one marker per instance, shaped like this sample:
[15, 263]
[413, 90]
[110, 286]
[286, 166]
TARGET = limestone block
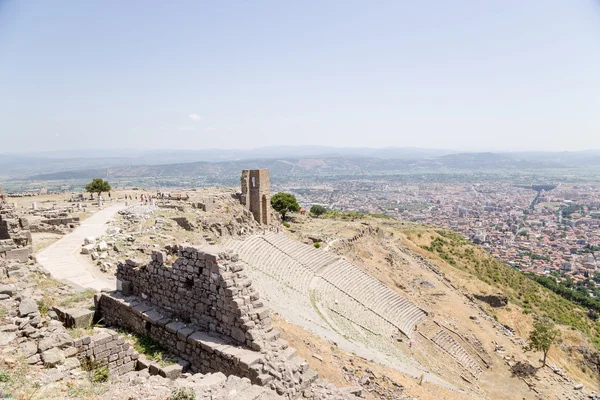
[34, 359]
[7, 289]
[7, 337]
[79, 318]
[171, 371]
[53, 357]
[126, 288]
[27, 349]
[175, 326]
[183, 333]
[27, 306]
[87, 249]
[71, 363]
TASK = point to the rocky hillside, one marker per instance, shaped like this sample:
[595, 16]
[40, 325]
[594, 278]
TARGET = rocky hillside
[476, 290]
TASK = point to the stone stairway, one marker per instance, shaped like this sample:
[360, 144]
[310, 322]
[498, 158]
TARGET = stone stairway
[277, 264]
[374, 295]
[445, 340]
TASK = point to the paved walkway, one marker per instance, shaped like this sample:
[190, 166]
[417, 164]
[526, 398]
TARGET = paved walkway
[64, 261]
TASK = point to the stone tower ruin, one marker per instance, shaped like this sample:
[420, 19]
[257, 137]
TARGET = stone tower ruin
[256, 194]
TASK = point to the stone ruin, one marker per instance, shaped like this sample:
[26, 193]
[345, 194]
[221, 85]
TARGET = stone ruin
[256, 194]
[15, 236]
[58, 221]
[203, 308]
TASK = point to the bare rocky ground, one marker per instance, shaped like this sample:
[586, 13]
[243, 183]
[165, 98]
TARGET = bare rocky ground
[142, 227]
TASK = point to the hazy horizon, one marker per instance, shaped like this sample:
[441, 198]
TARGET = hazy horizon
[269, 152]
[462, 76]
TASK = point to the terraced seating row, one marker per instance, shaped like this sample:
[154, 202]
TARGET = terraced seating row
[280, 266]
[309, 256]
[339, 302]
[374, 295]
[296, 264]
[452, 347]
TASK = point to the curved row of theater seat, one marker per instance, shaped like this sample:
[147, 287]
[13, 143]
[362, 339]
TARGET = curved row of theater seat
[260, 254]
[452, 347]
[340, 285]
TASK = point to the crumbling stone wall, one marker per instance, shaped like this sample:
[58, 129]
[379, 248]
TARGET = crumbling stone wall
[205, 354]
[210, 290]
[15, 236]
[204, 309]
[184, 223]
[106, 349]
[256, 194]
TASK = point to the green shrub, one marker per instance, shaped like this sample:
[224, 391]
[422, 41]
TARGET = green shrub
[286, 224]
[317, 245]
[4, 376]
[43, 307]
[183, 394]
[317, 210]
[100, 374]
[153, 351]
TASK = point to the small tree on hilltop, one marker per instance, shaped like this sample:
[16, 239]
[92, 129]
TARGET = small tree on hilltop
[542, 337]
[317, 210]
[284, 202]
[97, 185]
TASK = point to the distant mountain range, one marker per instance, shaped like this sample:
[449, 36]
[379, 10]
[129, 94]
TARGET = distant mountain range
[20, 165]
[281, 160]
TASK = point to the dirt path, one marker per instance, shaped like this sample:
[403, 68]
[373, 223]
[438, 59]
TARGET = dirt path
[63, 261]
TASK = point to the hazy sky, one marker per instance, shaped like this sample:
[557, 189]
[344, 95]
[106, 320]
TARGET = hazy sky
[472, 75]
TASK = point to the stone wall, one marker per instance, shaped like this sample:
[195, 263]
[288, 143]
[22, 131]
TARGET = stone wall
[15, 236]
[203, 309]
[72, 222]
[106, 349]
[205, 353]
[208, 289]
[184, 222]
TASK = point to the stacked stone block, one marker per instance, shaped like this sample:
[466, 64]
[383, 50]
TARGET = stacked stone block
[209, 289]
[206, 354]
[107, 349]
[203, 309]
[15, 236]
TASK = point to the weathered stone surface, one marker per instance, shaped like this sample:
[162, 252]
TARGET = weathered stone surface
[7, 337]
[27, 306]
[53, 357]
[9, 328]
[27, 349]
[34, 359]
[88, 249]
[79, 318]
[170, 371]
[7, 289]
[204, 309]
[46, 344]
[71, 363]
